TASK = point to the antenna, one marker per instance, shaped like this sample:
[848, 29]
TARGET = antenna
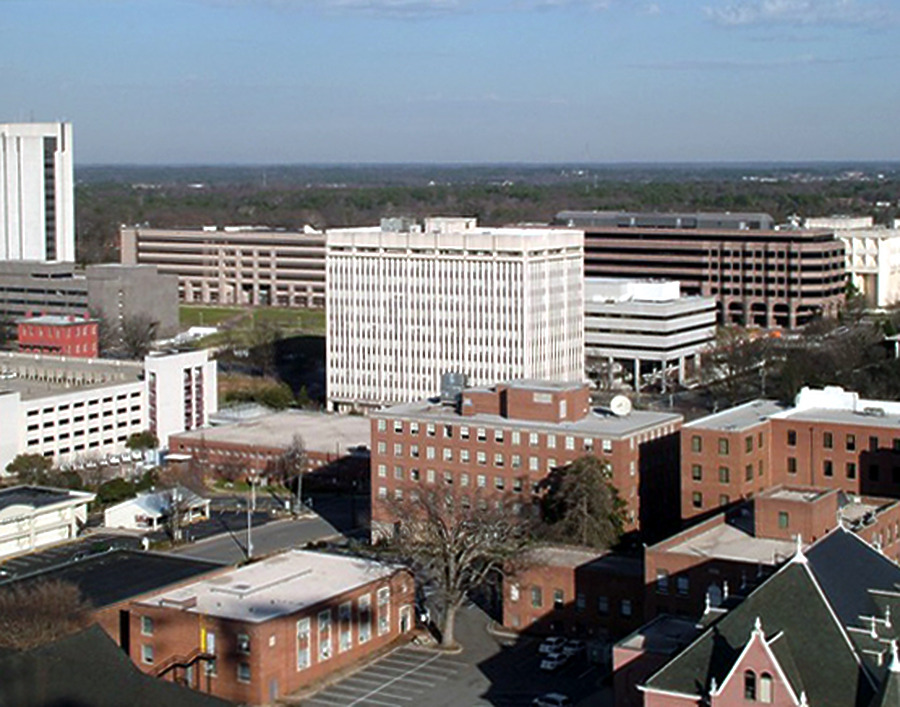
[620, 406]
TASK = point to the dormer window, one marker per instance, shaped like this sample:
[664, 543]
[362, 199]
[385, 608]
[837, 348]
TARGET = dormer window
[750, 686]
[765, 688]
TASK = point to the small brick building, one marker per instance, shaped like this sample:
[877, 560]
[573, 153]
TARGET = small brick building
[59, 336]
[256, 633]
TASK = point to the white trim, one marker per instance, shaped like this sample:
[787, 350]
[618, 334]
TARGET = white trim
[670, 693]
[757, 635]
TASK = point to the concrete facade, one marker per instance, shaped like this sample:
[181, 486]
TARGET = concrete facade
[758, 276]
[234, 265]
[256, 633]
[117, 291]
[873, 256]
[182, 392]
[646, 327]
[499, 443]
[408, 303]
[33, 516]
[37, 197]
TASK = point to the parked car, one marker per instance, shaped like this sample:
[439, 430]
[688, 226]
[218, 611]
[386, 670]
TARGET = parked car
[552, 699]
[554, 661]
[552, 644]
[573, 647]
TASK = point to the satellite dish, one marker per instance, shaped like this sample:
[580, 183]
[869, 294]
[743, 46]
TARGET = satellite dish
[620, 406]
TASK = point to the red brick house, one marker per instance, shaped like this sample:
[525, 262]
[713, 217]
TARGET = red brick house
[502, 441]
[264, 630]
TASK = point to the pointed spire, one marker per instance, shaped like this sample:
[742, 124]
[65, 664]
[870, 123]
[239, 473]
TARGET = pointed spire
[757, 627]
[894, 666]
[708, 605]
[713, 687]
[798, 553]
[725, 589]
[887, 617]
[803, 702]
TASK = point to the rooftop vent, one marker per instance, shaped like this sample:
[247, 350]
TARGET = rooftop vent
[452, 385]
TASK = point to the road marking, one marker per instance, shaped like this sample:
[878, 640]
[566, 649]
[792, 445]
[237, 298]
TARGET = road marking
[396, 679]
[425, 683]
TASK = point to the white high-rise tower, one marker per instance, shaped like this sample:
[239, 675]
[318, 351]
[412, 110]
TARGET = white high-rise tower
[37, 202]
[406, 304]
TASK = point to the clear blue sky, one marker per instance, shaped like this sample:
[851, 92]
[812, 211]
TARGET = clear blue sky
[295, 81]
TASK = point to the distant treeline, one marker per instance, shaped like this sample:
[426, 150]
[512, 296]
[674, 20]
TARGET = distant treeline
[334, 196]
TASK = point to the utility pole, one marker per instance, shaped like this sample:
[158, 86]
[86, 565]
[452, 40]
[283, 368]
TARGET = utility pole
[250, 507]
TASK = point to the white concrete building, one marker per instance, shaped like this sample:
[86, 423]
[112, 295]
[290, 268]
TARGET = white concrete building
[37, 198]
[873, 256]
[406, 304]
[151, 510]
[646, 326]
[34, 516]
[77, 410]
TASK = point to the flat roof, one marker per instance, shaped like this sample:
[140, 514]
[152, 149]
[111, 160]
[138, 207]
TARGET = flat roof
[786, 493]
[66, 374]
[665, 634]
[56, 320]
[727, 542]
[277, 586]
[597, 423]
[738, 418]
[110, 577]
[39, 496]
[564, 556]
[321, 432]
[843, 417]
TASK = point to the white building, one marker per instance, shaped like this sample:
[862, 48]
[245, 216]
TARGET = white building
[37, 200]
[406, 304]
[151, 510]
[34, 516]
[77, 410]
[646, 326]
[873, 256]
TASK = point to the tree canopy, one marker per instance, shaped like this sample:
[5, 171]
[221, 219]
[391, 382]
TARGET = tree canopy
[30, 468]
[580, 505]
[40, 612]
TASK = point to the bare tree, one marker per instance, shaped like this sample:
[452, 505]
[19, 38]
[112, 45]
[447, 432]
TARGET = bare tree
[290, 467]
[137, 333]
[456, 543]
[36, 613]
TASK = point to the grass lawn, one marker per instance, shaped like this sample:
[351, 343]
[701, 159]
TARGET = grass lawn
[291, 321]
[192, 315]
[310, 321]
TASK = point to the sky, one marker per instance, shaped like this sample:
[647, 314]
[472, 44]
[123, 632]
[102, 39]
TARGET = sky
[457, 81]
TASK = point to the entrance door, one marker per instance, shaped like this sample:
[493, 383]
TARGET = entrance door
[405, 619]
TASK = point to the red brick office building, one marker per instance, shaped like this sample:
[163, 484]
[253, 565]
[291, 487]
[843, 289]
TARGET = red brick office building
[829, 439]
[500, 442]
[264, 630]
[577, 592]
[59, 336]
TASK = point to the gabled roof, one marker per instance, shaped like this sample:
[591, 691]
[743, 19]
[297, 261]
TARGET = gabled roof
[812, 648]
[889, 694]
[87, 668]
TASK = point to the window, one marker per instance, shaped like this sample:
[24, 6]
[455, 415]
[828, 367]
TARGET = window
[517, 437]
[414, 451]
[146, 626]
[724, 474]
[481, 434]
[559, 599]
[429, 476]
[580, 601]
[697, 472]
[398, 450]
[551, 441]
[792, 438]
[398, 473]
[851, 470]
[481, 458]
[364, 618]
[570, 443]
[516, 461]
[682, 585]
[464, 456]
[414, 428]
[828, 440]
[382, 425]
[696, 443]
[765, 688]
[625, 607]
[697, 499]
[873, 444]
[447, 453]
[662, 582]
[448, 431]
[792, 465]
[498, 436]
[533, 439]
[499, 483]
[874, 472]
[748, 444]
[724, 500]
[537, 597]
[464, 433]
[398, 426]
[603, 605]
[147, 653]
[514, 592]
[750, 685]
[243, 643]
[303, 657]
[429, 429]
[748, 473]
[895, 443]
[324, 634]
[851, 443]
[784, 519]
[723, 445]
[382, 471]
[384, 610]
[481, 480]
[533, 463]
[498, 459]
[464, 479]
[243, 672]
[345, 627]
[828, 467]
[210, 649]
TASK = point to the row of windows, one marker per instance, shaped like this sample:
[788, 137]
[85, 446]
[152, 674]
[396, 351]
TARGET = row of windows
[626, 608]
[725, 472]
[850, 441]
[724, 444]
[465, 457]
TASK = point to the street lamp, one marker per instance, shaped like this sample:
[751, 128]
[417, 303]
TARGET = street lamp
[251, 506]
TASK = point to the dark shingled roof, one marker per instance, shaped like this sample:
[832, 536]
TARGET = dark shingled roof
[117, 575]
[813, 650]
[889, 694]
[87, 669]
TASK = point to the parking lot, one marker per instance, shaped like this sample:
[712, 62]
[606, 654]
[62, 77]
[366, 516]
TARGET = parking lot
[403, 677]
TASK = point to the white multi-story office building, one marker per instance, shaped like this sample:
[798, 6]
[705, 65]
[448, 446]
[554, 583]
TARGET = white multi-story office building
[873, 255]
[81, 410]
[37, 201]
[647, 326]
[407, 303]
[34, 516]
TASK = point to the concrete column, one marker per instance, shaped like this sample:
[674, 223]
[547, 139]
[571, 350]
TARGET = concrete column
[681, 370]
[662, 376]
[637, 375]
[609, 372]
